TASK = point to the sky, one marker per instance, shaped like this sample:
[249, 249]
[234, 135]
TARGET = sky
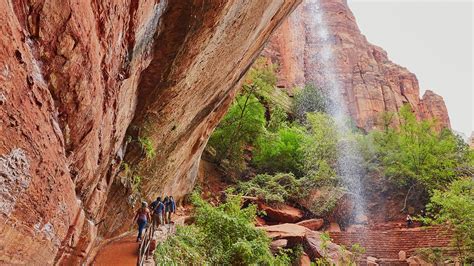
[434, 40]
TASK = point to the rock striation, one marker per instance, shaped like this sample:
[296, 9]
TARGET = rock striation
[92, 89]
[371, 83]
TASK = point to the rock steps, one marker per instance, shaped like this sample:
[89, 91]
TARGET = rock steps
[387, 244]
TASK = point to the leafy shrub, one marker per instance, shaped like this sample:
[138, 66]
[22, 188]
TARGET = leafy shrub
[309, 100]
[272, 189]
[223, 235]
[417, 157]
[326, 200]
[186, 246]
[455, 207]
[147, 146]
[136, 181]
[320, 148]
[242, 124]
[278, 119]
[281, 151]
[431, 255]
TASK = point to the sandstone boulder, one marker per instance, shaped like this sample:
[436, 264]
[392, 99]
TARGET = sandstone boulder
[292, 232]
[304, 260]
[278, 244]
[311, 241]
[282, 213]
[372, 261]
[402, 255]
[312, 224]
[332, 252]
[417, 261]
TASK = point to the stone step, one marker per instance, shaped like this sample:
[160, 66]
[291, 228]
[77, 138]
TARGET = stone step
[387, 243]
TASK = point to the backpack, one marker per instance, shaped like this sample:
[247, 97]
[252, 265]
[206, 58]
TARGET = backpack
[159, 207]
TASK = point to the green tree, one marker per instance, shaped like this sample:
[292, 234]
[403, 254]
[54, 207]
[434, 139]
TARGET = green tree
[241, 126]
[320, 147]
[455, 207]
[309, 100]
[281, 151]
[416, 156]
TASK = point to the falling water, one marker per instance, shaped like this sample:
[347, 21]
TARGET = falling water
[349, 164]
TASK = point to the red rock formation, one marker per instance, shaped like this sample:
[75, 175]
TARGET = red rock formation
[372, 83]
[282, 213]
[73, 77]
[312, 224]
[311, 241]
[432, 106]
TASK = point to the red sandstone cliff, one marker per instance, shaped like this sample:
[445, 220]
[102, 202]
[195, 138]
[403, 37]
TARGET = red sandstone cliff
[75, 75]
[371, 82]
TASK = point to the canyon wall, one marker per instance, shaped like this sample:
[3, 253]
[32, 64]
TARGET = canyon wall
[371, 83]
[105, 103]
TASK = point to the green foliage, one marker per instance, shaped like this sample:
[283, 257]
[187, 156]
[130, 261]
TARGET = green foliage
[186, 246]
[326, 201]
[356, 252]
[147, 146]
[126, 168]
[320, 148]
[281, 151]
[431, 255]
[242, 124]
[309, 100]
[272, 189]
[262, 76]
[324, 260]
[418, 156]
[455, 207]
[278, 119]
[223, 235]
[136, 181]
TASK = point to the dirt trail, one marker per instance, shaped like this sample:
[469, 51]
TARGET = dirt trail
[121, 252]
[124, 251]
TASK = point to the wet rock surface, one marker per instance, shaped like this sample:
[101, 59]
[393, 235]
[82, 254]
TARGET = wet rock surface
[74, 76]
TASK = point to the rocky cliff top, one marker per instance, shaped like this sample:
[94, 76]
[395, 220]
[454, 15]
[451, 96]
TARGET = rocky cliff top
[371, 82]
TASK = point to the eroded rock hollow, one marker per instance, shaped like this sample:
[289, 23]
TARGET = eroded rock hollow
[89, 88]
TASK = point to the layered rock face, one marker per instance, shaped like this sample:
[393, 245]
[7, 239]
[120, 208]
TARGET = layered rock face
[74, 76]
[371, 83]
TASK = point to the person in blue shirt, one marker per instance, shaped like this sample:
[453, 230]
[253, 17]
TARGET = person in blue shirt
[158, 209]
[170, 208]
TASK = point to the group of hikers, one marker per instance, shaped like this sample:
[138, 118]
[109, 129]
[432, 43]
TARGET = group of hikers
[159, 213]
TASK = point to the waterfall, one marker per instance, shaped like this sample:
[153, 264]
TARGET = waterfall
[349, 163]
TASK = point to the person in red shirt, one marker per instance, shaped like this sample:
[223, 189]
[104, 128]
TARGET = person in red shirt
[141, 217]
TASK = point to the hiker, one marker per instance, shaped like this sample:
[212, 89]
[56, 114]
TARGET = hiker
[158, 209]
[165, 202]
[409, 221]
[170, 208]
[142, 216]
